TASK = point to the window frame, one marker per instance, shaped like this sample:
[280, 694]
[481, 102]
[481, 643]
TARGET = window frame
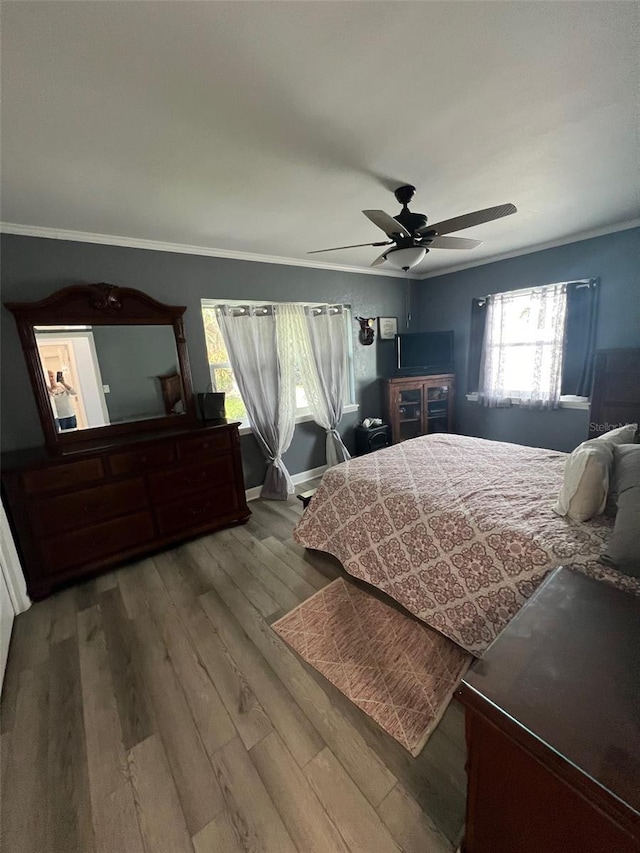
[567, 401]
[303, 415]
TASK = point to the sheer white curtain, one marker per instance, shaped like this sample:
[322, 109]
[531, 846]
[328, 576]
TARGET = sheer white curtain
[522, 348]
[316, 338]
[267, 385]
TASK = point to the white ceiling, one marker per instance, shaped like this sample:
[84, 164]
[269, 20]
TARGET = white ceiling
[267, 127]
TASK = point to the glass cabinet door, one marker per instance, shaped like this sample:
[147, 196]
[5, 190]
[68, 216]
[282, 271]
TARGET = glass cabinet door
[438, 408]
[409, 414]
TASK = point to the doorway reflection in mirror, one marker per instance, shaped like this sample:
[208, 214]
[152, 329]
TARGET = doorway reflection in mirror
[117, 373]
[69, 352]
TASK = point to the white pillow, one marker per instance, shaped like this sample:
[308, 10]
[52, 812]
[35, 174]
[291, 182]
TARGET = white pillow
[586, 474]
[621, 435]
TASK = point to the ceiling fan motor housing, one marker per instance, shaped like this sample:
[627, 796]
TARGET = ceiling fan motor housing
[411, 221]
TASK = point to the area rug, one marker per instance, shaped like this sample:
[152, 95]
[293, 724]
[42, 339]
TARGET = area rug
[397, 670]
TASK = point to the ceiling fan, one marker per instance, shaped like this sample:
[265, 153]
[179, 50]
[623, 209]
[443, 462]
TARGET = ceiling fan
[412, 238]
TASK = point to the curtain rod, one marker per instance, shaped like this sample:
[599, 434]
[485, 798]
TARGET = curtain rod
[270, 309]
[580, 283]
[243, 303]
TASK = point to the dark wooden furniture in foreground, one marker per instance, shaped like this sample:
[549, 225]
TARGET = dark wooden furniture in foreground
[615, 399]
[553, 725]
[88, 510]
[418, 405]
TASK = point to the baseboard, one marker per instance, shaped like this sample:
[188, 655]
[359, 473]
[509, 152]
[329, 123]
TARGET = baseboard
[253, 494]
[301, 477]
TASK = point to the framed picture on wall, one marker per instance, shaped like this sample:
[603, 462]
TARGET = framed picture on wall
[387, 328]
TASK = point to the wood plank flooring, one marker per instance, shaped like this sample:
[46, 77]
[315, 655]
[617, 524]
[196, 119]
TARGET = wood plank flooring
[153, 710]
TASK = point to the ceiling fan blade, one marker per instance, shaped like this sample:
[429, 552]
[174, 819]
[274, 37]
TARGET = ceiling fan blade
[467, 220]
[379, 260]
[355, 246]
[454, 243]
[389, 225]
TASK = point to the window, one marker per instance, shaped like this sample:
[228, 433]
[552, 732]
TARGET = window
[222, 378]
[533, 346]
[221, 372]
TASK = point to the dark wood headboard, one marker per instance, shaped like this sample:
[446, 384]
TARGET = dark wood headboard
[615, 399]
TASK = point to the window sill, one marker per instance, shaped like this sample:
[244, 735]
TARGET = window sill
[567, 402]
[245, 428]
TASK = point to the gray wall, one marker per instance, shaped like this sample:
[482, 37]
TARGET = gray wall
[32, 268]
[445, 303]
[131, 359]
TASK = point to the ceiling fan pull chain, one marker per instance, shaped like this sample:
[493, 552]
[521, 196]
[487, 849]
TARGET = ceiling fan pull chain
[408, 301]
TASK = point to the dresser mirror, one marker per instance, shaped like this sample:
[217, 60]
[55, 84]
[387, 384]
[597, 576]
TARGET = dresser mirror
[105, 360]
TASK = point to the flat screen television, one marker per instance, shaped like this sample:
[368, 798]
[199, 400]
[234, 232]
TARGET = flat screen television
[425, 352]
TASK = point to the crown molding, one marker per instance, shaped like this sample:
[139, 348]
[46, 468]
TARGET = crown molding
[565, 241]
[185, 249]
[206, 251]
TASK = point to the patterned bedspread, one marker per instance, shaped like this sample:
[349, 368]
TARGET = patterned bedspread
[458, 530]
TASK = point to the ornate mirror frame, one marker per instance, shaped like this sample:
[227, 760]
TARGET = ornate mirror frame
[105, 305]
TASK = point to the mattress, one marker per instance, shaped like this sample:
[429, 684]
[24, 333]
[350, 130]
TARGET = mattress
[458, 530]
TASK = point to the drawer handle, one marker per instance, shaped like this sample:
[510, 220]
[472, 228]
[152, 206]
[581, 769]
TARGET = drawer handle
[199, 479]
[199, 510]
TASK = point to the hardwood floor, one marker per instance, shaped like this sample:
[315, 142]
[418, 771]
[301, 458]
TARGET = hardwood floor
[153, 710]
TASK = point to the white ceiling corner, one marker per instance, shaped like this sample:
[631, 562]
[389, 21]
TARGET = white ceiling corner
[260, 130]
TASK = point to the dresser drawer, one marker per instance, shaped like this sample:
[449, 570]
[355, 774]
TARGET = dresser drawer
[204, 446]
[55, 515]
[44, 480]
[167, 485]
[90, 545]
[197, 510]
[136, 461]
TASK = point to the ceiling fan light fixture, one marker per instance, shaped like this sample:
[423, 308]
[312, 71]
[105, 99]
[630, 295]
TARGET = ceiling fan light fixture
[405, 259]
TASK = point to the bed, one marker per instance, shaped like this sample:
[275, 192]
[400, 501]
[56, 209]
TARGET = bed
[458, 530]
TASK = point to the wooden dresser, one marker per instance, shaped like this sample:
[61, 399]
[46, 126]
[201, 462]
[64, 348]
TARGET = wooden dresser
[553, 725]
[83, 512]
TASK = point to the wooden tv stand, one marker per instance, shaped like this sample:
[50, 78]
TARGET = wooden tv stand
[418, 405]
